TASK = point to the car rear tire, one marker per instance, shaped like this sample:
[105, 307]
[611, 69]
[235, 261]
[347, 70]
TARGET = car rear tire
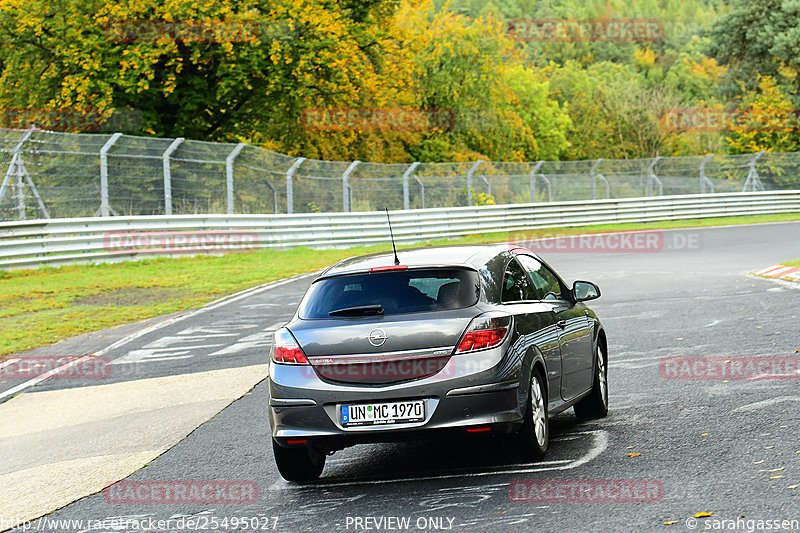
[595, 405]
[534, 436]
[301, 463]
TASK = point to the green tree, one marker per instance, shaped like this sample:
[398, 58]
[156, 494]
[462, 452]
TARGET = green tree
[758, 37]
[502, 110]
[615, 111]
[221, 70]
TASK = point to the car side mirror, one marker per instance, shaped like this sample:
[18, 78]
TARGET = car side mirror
[585, 290]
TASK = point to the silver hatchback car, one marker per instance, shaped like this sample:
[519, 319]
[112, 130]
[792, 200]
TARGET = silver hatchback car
[471, 339]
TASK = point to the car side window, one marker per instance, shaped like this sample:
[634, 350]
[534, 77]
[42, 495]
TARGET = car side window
[516, 285]
[543, 278]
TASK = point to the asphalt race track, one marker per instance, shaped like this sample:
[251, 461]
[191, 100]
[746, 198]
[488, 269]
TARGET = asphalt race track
[730, 447]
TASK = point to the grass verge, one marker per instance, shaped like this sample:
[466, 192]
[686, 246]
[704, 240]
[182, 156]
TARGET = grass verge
[42, 306]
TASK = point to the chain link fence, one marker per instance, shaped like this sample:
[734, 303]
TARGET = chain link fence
[62, 175]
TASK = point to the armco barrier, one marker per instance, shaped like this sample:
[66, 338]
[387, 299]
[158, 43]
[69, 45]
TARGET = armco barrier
[81, 240]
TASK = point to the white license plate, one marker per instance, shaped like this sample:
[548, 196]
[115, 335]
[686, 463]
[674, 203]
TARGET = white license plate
[371, 414]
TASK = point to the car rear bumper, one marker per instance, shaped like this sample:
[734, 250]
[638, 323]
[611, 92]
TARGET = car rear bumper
[472, 391]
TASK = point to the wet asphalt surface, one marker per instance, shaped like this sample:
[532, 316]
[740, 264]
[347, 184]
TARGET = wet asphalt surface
[726, 447]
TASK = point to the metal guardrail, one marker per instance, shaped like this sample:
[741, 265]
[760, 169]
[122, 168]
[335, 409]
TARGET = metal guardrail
[82, 240]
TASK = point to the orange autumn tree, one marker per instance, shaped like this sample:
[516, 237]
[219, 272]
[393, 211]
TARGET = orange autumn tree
[765, 120]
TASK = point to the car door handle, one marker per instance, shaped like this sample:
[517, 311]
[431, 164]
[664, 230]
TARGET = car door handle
[562, 324]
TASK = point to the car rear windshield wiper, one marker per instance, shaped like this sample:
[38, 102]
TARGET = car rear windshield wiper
[358, 311]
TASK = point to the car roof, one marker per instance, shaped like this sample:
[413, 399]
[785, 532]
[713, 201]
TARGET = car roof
[470, 256]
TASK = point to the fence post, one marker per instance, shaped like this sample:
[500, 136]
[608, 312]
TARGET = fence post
[533, 179]
[104, 205]
[421, 191]
[168, 174]
[229, 174]
[549, 187]
[651, 177]
[471, 173]
[752, 176]
[346, 186]
[607, 186]
[290, 184]
[13, 176]
[406, 174]
[703, 178]
[592, 174]
[19, 192]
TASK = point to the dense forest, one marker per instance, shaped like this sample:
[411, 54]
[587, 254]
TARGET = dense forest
[413, 80]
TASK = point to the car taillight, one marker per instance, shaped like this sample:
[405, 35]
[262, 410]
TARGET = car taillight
[285, 349]
[485, 331]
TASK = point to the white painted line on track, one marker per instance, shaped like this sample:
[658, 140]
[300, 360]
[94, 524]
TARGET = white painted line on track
[766, 403]
[133, 336]
[8, 362]
[600, 443]
[652, 358]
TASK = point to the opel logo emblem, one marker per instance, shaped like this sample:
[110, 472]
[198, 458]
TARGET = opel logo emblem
[377, 337]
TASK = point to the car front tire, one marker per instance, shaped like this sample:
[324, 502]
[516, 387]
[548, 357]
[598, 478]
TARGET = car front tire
[595, 405]
[534, 436]
[301, 463]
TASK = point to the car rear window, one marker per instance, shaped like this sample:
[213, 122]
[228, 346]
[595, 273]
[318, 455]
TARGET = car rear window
[409, 291]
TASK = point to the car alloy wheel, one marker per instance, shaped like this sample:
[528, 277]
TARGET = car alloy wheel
[534, 436]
